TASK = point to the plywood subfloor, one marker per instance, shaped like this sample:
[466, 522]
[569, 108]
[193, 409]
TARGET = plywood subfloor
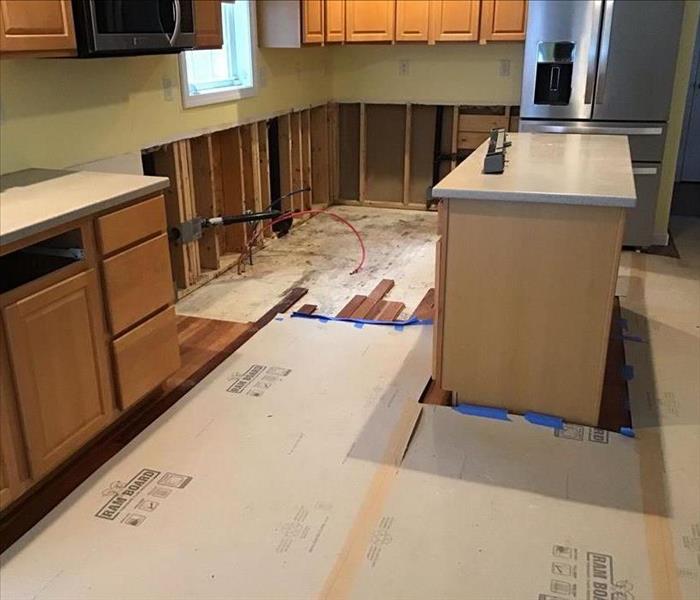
[319, 255]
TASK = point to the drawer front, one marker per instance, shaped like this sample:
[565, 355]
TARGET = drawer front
[129, 225]
[146, 356]
[137, 283]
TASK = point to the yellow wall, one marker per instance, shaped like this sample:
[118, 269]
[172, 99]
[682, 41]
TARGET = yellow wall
[453, 73]
[675, 121]
[59, 112]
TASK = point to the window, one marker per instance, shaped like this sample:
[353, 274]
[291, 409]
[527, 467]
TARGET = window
[210, 76]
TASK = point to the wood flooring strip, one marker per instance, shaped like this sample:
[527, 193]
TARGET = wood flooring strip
[351, 306]
[426, 307]
[381, 290]
[307, 309]
[391, 311]
[376, 309]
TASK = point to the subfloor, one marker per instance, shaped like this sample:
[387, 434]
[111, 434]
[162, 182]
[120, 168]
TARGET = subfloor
[319, 255]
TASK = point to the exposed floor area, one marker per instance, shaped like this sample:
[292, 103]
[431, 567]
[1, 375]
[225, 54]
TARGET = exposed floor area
[319, 255]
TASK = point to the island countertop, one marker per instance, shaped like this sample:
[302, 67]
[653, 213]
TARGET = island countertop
[36, 200]
[594, 170]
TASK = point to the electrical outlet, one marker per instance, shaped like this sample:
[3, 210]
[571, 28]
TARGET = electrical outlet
[167, 89]
[504, 68]
[404, 68]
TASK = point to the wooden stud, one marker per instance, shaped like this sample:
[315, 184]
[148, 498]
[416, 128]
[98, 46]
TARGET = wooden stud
[206, 179]
[363, 154]
[247, 174]
[233, 190]
[297, 181]
[455, 129]
[333, 153]
[284, 135]
[306, 158]
[264, 158]
[407, 155]
[320, 152]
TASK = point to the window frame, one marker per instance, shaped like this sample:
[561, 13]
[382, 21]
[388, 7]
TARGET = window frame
[193, 101]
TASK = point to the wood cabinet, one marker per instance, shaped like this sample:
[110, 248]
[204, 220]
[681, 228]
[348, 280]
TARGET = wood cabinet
[503, 20]
[335, 21]
[207, 24]
[412, 20]
[369, 20]
[37, 27]
[454, 20]
[57, 343]
[312, 28]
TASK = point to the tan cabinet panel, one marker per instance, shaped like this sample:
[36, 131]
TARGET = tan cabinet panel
[503, 20]
[146, 356]
[412, 20]
[207, 24]
[58, 348]
[312, 29]
[369, 20]
[335, 21]
[455, 20]
[137, 283]
[36, 26]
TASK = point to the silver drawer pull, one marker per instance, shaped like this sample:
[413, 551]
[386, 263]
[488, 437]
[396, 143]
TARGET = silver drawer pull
[644, 170]
[598, 130]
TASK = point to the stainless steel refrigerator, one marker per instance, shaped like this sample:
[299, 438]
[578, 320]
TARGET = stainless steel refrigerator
[605, 67]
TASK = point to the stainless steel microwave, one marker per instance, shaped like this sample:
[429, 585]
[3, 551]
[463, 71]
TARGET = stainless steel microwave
[123, 27]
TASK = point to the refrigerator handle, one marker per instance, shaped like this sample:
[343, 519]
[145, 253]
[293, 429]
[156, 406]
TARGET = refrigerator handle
[592, 52]
[604, 50]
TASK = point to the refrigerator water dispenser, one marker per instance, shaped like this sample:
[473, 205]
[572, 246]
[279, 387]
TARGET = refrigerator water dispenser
[555, 63]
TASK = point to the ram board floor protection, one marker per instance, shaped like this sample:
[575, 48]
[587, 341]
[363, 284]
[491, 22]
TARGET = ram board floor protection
[278, 477]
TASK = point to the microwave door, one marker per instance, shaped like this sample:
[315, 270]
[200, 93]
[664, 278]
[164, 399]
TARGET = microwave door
[638, 49]
[561, 53]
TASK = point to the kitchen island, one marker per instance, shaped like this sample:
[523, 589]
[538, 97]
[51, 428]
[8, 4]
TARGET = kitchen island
[526, 270]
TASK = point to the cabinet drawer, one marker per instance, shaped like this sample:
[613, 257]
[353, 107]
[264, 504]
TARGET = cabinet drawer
[137, 283]
[146, 356]
[124, 227]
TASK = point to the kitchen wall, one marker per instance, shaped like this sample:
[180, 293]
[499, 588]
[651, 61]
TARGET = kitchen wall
[450, 73]
[675, 121]
[59, 112]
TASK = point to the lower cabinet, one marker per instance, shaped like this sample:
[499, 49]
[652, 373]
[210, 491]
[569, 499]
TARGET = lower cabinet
[57, 343]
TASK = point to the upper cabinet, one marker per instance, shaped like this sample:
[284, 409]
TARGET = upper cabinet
[369, 20]
[312, 29]
[335, 21]
[207, 24]
[412, 20]
[293, 23]
[42, 27]
[503, 20]
[455, 20]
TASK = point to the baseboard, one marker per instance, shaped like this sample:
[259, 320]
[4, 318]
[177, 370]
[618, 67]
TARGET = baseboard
[660, 239]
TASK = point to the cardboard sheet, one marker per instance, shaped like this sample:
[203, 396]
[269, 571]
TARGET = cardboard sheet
[277, 477]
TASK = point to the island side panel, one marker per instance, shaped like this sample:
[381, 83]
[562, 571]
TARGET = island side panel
[528, 293]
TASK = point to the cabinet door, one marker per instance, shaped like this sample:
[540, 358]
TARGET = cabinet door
[37, 26]
[58, 350]
[335, 20]
[207, 24]
[13, 475]
[369, 20]
[412, 19]
[312, 30]
[503, 20]
[455, 20]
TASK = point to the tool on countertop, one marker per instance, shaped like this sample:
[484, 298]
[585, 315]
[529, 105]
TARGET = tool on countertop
[495, 159]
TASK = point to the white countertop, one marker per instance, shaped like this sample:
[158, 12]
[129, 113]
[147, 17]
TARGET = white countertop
[555, 168]
[35, 200]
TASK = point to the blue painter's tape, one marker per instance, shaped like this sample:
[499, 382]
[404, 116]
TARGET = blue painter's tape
[398, 327]
[628, 372]
[627, 431]
[482, 411]
[359, 325]
[325, 319]
[544, 420]
[622, 323]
